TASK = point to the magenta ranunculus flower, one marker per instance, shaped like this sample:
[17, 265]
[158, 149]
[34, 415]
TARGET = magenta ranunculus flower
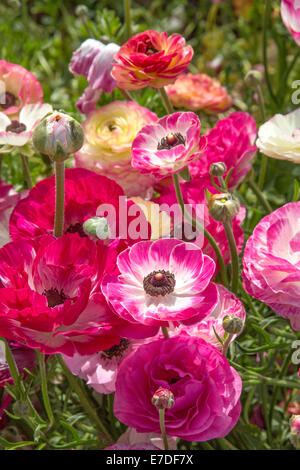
[231, 141]
[290, 14]
[169, 145]
[163, 281]
[18, 87]
[151, 59]
[19, 131]
[272, 262]
[50, 295]
[206, 389]
[194, 194]
[94, 61]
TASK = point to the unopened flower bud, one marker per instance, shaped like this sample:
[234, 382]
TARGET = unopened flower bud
[217, 169]
[58, 135]
[163, 399]
[295, 431]
[97, 227]
[81, 10]
[232, 324]
[253, 78]
[223, 206]
[21, 408]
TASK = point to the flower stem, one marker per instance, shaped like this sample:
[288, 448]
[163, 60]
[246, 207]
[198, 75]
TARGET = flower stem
[42, 366]
[126, 95]
[264, 45]
[259, 194]
[162, 428]
[26, 170]
[165, 99]
[226, 344]
[233, 254]
[76, 386]
[127, 19]
[196, 224]
[59, 198]
[164, 330]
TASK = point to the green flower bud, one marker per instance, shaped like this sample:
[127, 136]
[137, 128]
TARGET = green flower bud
[253, 78]
[232, 324]
[58, 135]
[81, 10]
[217, 169]
[97, 227]
[163, 399]
[223, 206]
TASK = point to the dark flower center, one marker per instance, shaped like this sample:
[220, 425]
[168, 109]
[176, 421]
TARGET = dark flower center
[77, 228]
[146, 47]
[159, 283]
[16, 127]
[54, 297]
[170, 141]
[117, 350]
[7, 100]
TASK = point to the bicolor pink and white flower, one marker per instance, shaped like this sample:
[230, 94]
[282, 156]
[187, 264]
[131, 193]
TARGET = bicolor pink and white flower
[18, 131]
[169, 145]
[19, 87]
[206, 389]
[8, 200]
[162, 281]
[231, 141]
[94, 61]
[290, 14]
[108, 135]
[151, 59]
[272, 262]
[279, 137]
[50, 295]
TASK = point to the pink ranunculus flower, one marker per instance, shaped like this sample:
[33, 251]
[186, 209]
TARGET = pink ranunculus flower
[140, 446]
[290, 14]
[100, 370]
[271, 262]
[163, 281]
[151, 59]
[206, 389]
[228, 304]
[169, 145]
[131, 437]
[18, 87]
[231, 141]
[194, 194]
[50, 295]
[8, 200]
[199, 92]
[18, 132]
[108, 135]
[94, 61]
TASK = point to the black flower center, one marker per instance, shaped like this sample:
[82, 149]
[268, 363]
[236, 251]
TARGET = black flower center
[170, 141]
[77, 228]
[7, 100]
[117, 350]
[159, 283]
[16, 127]
[55, 297]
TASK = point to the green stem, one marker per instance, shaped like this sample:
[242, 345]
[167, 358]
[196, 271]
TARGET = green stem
[42, 367]
[256, 189]
[165, 99]
[207, 235]
[226, 344]
[233, 254]
[26, 170]
[162, 428]
[76, 386]
[126, 95]
[127, 19]
[59, 198]
[164, 330]
[264, 44]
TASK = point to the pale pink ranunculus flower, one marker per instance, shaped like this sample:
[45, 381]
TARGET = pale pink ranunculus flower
[290, 14]
[94, 61]
[206, 389]
[162, 281]
[168, 146]
[108, 135]
[18, 131]
[199, 92]
[132, 437]
[18, 87]
[272, 262]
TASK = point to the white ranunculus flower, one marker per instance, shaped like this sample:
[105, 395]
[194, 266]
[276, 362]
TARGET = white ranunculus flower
[280, 137]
